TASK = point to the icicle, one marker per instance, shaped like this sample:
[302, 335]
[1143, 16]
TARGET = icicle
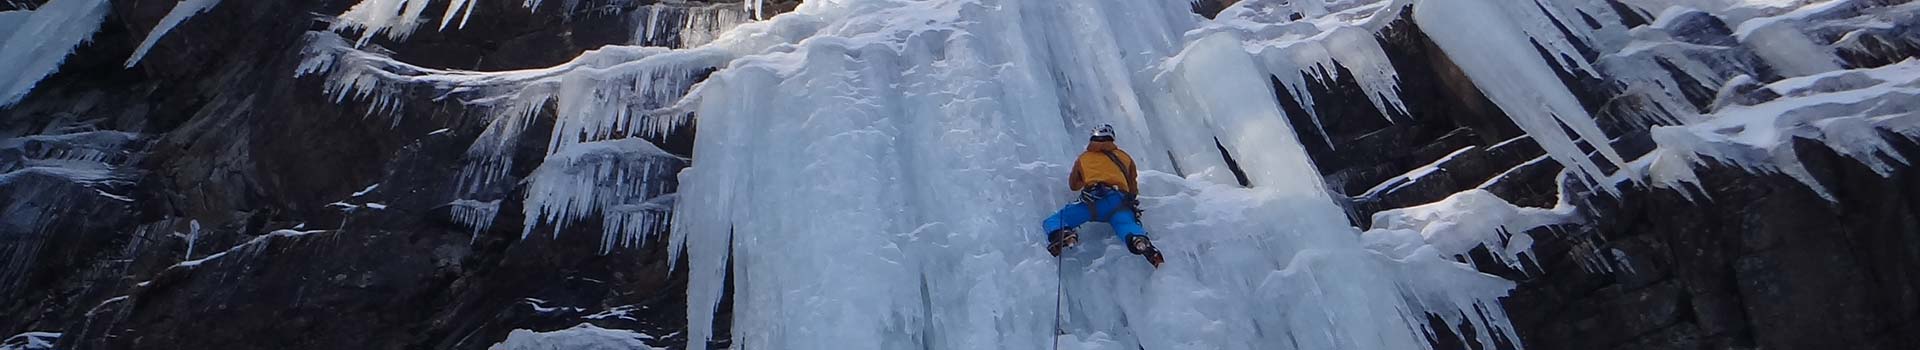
[41, 39]
[1470, 219]
[1498, 54]
[180, 13]
[396, 18]
[610, 177]
[1844, 110]
[193, 235]
[693, 26]
[1317, 45]
[475, 214]
[612, 92]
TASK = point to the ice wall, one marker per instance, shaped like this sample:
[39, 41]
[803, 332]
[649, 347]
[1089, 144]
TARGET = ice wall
[874, 170]
[879, 185]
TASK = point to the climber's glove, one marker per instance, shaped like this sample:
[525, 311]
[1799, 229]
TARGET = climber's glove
[1092, 195]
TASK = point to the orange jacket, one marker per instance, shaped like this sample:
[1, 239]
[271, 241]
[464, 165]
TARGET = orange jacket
[1093, 167]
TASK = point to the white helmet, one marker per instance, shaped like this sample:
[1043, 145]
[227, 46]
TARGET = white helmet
[1104, 131]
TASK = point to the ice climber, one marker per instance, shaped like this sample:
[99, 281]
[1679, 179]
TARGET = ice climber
[1109, 192]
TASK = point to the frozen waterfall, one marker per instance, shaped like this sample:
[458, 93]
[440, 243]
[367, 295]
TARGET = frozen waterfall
[874, 172]
[879, 186]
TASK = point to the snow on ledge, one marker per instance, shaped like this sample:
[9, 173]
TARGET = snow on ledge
[252, 246]
[585, 336]
[1463, 221]
[1845, 110]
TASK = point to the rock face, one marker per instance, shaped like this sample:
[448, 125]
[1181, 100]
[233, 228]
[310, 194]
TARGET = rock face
[1752, 262]
[258, 212]
[255, 211]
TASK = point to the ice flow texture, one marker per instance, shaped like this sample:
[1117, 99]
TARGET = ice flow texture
[876, 170]
[879, 185]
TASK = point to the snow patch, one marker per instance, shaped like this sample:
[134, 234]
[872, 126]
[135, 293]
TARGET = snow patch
[1463, 221]
[1845, 110]
[252, 246]
[365, 191]
[30, 341]
[584, 336]
[103, 304]
[623, 312]
[1414, 175]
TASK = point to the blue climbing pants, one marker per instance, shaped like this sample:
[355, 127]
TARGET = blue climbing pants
[1110, 207]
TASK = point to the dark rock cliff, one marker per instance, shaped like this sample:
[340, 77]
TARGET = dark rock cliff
[251, 220]
[1749, 261]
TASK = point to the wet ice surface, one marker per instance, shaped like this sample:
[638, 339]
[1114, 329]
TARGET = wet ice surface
[876, 170]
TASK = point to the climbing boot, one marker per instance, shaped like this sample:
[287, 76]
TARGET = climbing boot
[1060, 239]
[1142, 246]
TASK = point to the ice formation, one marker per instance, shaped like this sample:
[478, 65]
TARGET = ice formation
[611, 178]
[398, 18]
[685, 25]
[180, 13]
[1325, 35]
[1780, 41]
[30, 341]
[1498, 53]
[475, 214]
[874, 171]
[193, 235]
[1414, 175]
[10, 21]
[952, 103]
[1845, 110]
[1464, 221]
[606, 99]
[251, 247]
[581, 337]
[46, 173]
[37, 41]
[1753, 119]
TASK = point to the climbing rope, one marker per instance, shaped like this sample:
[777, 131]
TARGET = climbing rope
[1059, 294]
